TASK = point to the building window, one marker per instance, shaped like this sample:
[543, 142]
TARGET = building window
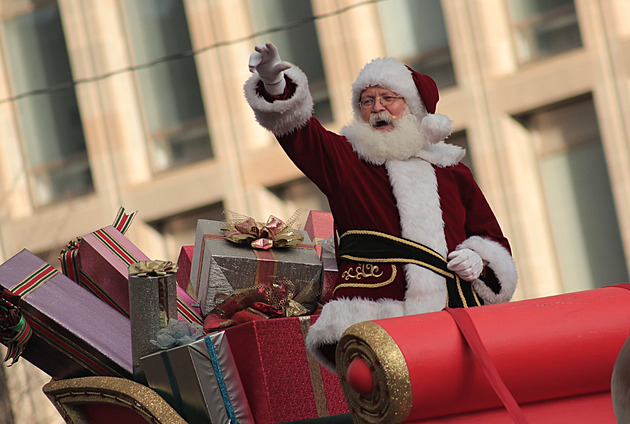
[544, 27]
[57, 161]
[414, 31]
[578, 195]
[171, 95]
[297, 44]
[180, 230]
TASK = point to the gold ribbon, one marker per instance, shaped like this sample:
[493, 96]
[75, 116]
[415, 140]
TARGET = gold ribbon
[279, 295]
[315, 372]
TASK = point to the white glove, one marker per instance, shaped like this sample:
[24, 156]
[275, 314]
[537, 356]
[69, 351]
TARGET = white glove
[466, 263]
[266, 61]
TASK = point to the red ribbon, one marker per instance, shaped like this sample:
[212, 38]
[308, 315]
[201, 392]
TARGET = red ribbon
[123, 221]
[469, 331]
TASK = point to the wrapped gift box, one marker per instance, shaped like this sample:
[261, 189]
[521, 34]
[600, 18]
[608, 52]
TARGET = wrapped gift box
[319, 225]
[187, 304]
[283, 382]
[220, 266]
[104, 257]
[200, 381]
[74, 333]
[184, 262]
[153, 304]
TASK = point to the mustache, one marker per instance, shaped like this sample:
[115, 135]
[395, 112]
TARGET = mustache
[380, 118]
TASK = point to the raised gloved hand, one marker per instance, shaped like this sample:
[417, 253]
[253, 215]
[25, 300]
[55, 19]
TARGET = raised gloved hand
[266, 61]
[466, 263]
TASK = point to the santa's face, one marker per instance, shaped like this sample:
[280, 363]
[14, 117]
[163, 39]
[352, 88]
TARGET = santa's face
[380, 107]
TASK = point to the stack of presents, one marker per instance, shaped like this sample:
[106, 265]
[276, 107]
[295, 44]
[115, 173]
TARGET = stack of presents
[220, 334]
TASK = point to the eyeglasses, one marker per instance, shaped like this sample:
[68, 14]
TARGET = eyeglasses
[369, 102]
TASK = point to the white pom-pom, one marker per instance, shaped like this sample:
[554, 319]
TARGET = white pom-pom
[436, 127]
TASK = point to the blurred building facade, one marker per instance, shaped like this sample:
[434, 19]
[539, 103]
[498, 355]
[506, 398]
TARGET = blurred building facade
[139, 103]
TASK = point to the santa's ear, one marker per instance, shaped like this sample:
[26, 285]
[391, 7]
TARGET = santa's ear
[436, 127]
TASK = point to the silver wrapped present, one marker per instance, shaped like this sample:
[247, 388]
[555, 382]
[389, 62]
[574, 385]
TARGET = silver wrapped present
[220, 266]
[200, 380]
[152, 303]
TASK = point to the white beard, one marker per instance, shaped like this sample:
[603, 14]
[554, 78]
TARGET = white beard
[403, 142]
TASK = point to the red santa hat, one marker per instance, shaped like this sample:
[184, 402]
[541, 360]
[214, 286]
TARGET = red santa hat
[420, 92]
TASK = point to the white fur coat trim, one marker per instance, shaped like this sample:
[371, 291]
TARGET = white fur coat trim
[338, 315]
[282, 117]
[499, 259]
[442, 154]
[414, 185]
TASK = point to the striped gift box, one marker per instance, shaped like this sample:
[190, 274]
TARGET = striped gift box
[103, 263]
[74, 334]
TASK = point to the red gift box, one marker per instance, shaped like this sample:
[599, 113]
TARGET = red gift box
[281, 380]
[187, 304]
[74, 334]
[319, 225]
[184, 262]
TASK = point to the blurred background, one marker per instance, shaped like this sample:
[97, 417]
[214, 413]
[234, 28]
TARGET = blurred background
[139, 103]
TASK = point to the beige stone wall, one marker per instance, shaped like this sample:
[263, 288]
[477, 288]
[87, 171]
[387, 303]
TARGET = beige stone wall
[30, 404]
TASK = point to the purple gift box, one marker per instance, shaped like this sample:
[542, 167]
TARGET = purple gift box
[75, 334]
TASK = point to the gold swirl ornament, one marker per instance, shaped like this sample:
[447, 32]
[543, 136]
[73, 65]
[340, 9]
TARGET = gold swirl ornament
[374, 375]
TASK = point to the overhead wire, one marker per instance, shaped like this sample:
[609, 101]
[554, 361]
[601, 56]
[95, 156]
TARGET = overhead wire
[186, 53]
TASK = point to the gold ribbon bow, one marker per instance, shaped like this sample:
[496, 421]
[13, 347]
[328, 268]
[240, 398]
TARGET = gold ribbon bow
[242, 229]
[155, 268]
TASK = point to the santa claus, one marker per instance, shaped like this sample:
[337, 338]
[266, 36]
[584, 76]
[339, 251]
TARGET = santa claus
[415, 233]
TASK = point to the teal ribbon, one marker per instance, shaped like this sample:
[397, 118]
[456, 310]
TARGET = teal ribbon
[219, 376]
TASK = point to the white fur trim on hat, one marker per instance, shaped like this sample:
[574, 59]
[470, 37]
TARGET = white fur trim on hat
[338, 315]
[388, 73]
[282, 117]
[436, 127]
[500, 260]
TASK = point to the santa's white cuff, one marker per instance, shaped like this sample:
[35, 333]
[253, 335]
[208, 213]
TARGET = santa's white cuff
[282, 117]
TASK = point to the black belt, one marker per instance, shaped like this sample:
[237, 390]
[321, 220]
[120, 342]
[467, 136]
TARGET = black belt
[367, 246]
